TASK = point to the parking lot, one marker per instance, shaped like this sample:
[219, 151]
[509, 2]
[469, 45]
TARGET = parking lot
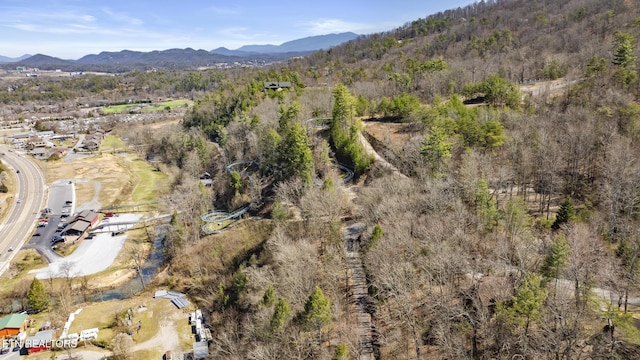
[92, 256]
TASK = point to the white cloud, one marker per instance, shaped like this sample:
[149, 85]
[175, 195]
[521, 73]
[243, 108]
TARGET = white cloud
[223, 11]
[235, 33]
[25, 27]
[88, 18]
[48, 29]
[35, 16]
[326, 26]
[122, 17]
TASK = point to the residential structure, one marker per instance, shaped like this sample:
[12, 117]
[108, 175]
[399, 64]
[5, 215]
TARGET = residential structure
[12, 325]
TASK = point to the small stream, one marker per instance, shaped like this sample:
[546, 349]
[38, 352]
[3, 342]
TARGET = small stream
[134, 286]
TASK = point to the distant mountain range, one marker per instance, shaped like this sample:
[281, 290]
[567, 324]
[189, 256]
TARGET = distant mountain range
[127, 60]
[4, 59]
[311, 43]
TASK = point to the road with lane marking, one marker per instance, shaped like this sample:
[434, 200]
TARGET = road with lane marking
[20, 221]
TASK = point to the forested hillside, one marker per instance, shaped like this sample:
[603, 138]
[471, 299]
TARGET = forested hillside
[505, 225]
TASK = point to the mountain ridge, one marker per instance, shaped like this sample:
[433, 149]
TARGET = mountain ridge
[7, 59]
[183, 58]
[310, 43]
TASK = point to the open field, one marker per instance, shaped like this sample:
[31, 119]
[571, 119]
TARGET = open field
[114, 143]
[144, 107]
[122, 179]
[104, 168]
[150, 182]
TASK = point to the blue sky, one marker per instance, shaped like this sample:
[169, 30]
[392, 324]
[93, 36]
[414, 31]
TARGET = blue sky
[70, 29]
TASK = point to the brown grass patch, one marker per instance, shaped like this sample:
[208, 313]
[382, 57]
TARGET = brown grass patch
[393, 135]
[9, 180]
[108, 169]
[215, 257]
[85, 191]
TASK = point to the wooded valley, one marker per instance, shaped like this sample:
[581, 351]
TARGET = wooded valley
[502, 221]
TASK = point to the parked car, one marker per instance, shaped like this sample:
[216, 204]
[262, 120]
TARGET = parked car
[109, 214]
[37, 234]
[4, 350]
[10, 249]
[56, 239]
[68, 202]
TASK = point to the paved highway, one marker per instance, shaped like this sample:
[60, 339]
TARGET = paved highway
[24, 208]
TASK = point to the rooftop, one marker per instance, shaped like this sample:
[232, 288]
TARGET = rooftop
[13, 321]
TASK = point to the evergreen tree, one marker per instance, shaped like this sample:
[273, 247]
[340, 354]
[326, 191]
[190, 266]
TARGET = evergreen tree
[625, 48]
[341, 353]
[486, 207]
[270, 144]
[327, 184]
[295, 154]
[566, 213]
[556, 259]
[280, 315]
[376, 234]
[345, 130]
[493, 134]
[624, 58]
[526, 303]
[269, 296]
[317, 310]
[288, 115]
[436, 148]
[496, 90]
[236, 181]
[37, 298]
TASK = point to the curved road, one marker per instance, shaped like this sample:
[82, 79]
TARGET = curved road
[24, 208]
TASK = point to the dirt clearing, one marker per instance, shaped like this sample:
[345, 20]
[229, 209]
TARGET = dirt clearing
[109, 170]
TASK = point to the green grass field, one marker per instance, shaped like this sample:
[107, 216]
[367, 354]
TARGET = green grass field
[150, 182]
[147, 107]
[112, 142]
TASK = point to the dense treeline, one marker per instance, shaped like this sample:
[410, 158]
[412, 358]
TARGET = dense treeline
[90, 88]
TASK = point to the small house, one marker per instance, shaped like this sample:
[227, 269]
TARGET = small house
[12, 325]
[59, 153]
